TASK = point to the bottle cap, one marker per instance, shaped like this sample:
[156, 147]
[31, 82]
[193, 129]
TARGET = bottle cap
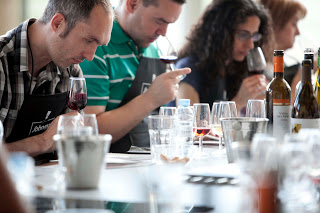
[184, 102]
[278, 52]
[308, 50]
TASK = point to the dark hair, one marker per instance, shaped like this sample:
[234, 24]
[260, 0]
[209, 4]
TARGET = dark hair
[147, 3]
[210, 42]
[73, 11]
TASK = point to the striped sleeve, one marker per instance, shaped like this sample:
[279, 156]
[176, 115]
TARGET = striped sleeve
[97, 79]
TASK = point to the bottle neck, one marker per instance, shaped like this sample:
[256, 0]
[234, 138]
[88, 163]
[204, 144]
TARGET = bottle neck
[278, 67]
[306, 74]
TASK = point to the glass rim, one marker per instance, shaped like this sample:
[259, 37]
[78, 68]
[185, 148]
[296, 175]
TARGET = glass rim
[199, 104]
[161, 116]
[168, 107]
[60, 136]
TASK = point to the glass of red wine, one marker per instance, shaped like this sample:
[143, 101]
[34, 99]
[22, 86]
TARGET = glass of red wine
[256, 61]
[77, 94]
[201, 122]
[167, 53]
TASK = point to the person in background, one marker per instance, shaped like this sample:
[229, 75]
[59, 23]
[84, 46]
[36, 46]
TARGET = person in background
[36, 61]
[126, 80]
[285, 17]
[216, 50]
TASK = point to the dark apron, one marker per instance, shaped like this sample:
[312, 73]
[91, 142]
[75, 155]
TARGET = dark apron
[147, 71]
[35, 116]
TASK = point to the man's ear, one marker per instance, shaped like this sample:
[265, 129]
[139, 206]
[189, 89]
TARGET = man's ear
[131, 5]
[58, 23]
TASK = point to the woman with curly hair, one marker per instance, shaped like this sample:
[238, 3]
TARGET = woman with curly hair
[216, 51]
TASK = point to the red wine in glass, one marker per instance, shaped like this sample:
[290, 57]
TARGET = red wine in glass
[255, 72]
[169, 59]
[78, 101]
[77, 94]
[202, 132]
[256, 61]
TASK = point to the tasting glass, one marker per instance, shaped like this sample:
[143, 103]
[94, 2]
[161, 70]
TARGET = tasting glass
[167, 111]
[202, 122]
[228, 112]
[68, 124]
[256, 108]
[77, 94]
[227, 109]
[216, 128]
[90, 120]
[167, 53]
[256, 61]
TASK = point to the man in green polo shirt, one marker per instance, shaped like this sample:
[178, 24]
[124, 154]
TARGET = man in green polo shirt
[126, 81]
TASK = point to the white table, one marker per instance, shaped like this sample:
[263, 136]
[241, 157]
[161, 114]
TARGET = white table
[123, 181]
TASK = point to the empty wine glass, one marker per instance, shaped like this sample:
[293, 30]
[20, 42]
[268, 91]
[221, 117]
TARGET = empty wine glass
[216, 128]
[90, 120]
[202, 121]
[68, 124]
[167, 111]
[256, 108]
[227, 109]
[167, 53]
[77, 94]
[215, 119]
[256, 61]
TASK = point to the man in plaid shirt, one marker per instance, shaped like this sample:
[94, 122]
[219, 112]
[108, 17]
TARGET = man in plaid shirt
[36, 60]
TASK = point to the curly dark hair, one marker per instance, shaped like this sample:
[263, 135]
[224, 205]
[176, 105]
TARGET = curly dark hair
[210, 42]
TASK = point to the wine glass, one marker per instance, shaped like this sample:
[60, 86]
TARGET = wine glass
[256, 108]
[77, 94]
[68, 125]
[167, 111]
[256, 61]
[167, 53]
[216, 128]
[90, 120]
[202, 121]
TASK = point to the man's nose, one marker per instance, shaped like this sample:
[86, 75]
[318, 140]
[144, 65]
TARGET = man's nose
[163, 29]
[89, 54]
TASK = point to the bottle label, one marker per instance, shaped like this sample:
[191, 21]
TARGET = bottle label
[281, 120]
[185, 130]
[298, 123]
[278, 64]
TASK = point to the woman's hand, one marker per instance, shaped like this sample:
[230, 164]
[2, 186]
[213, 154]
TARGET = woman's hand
[252, 87]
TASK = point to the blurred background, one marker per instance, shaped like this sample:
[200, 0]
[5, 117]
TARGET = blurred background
[13, 12]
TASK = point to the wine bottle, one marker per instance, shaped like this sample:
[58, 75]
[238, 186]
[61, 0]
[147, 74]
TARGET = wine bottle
[317, 83]
[278, 100]
[305, 111]
[308, 54]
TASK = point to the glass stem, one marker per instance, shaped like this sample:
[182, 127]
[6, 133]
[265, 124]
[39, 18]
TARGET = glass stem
[81, 112]
[220, 142]
[172, 66]
[200, 143]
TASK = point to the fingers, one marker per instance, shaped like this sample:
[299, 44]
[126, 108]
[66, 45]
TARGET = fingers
[179, 72]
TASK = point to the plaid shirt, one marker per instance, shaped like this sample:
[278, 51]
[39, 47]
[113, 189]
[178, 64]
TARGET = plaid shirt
[15, 77]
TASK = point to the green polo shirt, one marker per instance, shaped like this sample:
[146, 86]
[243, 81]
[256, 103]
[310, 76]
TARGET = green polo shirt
[110, 74]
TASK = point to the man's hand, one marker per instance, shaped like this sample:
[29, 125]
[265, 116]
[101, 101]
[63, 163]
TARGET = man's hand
[48, 143]
[165, 87]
